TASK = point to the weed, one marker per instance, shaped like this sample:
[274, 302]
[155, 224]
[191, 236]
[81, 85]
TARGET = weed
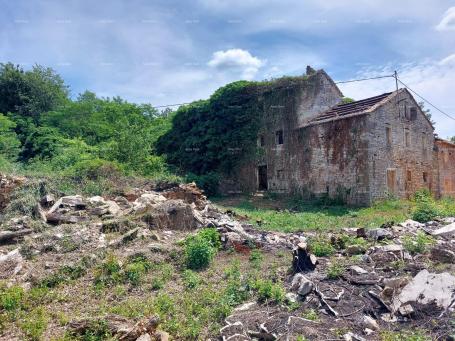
[108, 272]
[267, 290]
[335, 269]
[34, 323]
[415, 335]
[191, 279]
[310, 314]
[256, 258]
[212, 236]
[418, 243]
[11, 298]
[320, 247]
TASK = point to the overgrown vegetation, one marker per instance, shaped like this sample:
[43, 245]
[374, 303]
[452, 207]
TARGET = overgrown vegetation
[289, 215]
[42, 130]
[201, 248]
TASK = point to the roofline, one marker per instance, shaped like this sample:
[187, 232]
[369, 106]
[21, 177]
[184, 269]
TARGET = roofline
[438, 139]
[369, 110]
[366, 111]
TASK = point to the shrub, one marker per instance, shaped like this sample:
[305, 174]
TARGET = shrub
[201, 248]
[320, 247]
[418, 243]
[267, 290]
[95, 168]
[199, 252]
[212, 236]
[425, 211]
[11, 298]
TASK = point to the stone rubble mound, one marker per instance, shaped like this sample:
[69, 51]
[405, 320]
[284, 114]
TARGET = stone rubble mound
[384, 288]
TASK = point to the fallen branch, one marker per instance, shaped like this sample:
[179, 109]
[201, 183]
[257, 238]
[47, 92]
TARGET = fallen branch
[7, 236]
[321, 296]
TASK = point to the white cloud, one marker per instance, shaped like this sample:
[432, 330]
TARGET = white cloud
[236, 60]
[450, 60]
[432, 79]
[448, 20]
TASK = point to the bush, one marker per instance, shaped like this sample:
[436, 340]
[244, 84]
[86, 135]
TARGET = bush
[267, 290]
[212, 236]
[199, 252]
[94, 169]
[425, 211]
[201, 248]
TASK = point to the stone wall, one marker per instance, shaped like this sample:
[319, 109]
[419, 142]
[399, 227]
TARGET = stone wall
[445, 160]
[400, 148]
[288, 105]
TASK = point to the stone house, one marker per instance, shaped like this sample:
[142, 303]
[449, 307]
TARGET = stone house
[313, 144]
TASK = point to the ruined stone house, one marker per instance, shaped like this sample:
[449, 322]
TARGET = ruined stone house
[313, 144]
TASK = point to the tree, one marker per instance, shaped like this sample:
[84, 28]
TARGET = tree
[30, 93]
[9, 143]
[452, 139]
[426, 112]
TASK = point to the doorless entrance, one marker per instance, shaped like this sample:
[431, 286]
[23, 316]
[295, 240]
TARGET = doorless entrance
[262, 178]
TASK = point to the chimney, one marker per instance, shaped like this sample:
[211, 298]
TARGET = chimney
[310, 70]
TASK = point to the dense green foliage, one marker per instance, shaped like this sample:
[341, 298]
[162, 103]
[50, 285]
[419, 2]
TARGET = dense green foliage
[201, 248]
[42, 129]
[213, 136]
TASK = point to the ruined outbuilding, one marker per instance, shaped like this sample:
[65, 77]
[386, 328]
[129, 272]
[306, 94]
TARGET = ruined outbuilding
[314, 143]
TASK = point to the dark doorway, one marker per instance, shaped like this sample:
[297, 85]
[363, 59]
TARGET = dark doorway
[262, 177]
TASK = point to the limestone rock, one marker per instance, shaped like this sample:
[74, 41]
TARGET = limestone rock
[427, 288]
[445, 230]
[302, 285]
[10, 264]
[442, 255]
[370, 322]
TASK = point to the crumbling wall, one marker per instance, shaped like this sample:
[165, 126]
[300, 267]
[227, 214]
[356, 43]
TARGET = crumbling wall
[445, 162]
[400, 149]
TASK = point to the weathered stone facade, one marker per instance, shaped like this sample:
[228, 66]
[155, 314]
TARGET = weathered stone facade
[311, 144]
[444, 155]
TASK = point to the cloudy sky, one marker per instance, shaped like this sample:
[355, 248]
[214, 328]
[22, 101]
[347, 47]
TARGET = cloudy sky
[165, 52]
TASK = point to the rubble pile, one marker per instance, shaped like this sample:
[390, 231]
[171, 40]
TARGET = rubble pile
[382, 287]
[364, 288]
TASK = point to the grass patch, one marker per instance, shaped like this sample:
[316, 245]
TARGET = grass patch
[292, 215]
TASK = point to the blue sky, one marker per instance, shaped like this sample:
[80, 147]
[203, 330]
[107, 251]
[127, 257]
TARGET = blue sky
[164, 52]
